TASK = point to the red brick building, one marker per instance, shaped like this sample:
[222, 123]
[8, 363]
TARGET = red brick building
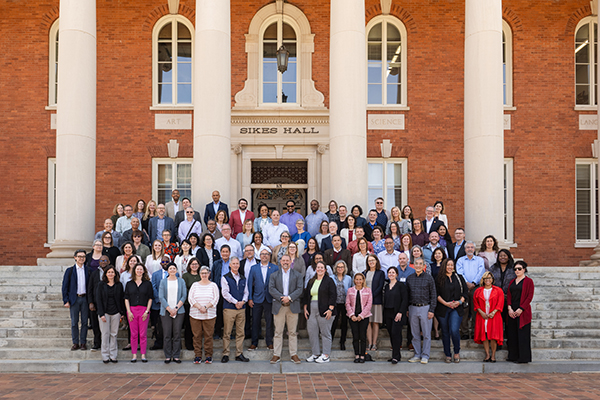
[145, 96]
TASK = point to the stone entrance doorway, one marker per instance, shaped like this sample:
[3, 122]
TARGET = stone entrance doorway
[276, 182]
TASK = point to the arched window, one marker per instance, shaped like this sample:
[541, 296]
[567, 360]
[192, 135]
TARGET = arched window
[507, 64]
[586, 42]
[386, 62]
[172, 65]
[53, 65]
[279, 87]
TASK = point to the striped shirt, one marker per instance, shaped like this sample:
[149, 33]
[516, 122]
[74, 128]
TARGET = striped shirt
[203, 294]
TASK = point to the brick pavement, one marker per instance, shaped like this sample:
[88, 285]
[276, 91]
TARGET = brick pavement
[299, 386]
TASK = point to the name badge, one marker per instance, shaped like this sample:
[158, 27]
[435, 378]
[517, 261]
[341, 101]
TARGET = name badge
[402, 279]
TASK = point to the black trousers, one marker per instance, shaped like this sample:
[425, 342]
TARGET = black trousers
[519, 341]
[260, 310]
[359, 336]
[342, 318]
[248, 327]
[395, 331]
[96, 328]
[187, 329]
[156, 322]
[219, 322]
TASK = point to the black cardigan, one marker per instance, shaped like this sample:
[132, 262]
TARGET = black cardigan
[102, 298]
[327, 295]
[396, 298]
[377, 286]
[451, 292]
[203, 257]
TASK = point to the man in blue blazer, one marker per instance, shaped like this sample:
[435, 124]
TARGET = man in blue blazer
[260, 299]
[161, 223]
[74, 292]
[211, 208]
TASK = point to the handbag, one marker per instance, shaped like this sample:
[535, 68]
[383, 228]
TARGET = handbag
[466, 302]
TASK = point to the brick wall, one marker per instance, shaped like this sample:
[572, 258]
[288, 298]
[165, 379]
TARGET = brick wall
[544, 139]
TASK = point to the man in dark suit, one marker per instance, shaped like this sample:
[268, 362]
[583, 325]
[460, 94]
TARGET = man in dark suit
[259, 298]
[245, 266]
[371, 224]
[211, 208]
[326, 243]
[286, 307]
[220, 269]
[456, 250]
[180, 216]
[160, 223]
[430, 223]
[95, 278]
[135, 227]
[74, 293]
[337, 253]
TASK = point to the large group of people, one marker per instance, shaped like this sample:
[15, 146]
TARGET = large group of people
[167, 266]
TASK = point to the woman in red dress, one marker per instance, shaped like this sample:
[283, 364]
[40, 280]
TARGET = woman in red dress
[488, 302]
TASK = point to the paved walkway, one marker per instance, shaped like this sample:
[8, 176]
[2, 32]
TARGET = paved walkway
[300, 386]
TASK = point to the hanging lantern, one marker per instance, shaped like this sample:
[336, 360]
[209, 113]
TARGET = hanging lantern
[282, 59]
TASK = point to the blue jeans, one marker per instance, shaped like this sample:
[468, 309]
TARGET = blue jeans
[451, 329]
[79, 307]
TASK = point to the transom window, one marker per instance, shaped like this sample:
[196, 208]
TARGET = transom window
[173, 47]
[279, 87]
[386, 62]
[586, 62]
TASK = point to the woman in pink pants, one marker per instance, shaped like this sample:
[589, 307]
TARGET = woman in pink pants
[138, 299]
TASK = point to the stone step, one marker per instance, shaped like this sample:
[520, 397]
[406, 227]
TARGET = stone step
[564, 282]
[578, 334]
[33, 282]
[565, 324]
[9, 276]
[23, 289]
[31, 323]
[38, 297]
[571, 314]
[33, 269]
[551, 297]
[531, 271]
[565, 343]
[566, 306]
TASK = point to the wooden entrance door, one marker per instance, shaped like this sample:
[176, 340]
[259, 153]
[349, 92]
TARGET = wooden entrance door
[276, 199]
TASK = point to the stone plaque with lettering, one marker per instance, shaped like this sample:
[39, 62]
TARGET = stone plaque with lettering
[507, 121]
[173, 121]
[385, 122]
[588, 122]
[52, 121]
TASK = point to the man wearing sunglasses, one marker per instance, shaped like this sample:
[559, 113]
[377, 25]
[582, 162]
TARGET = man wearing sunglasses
[290, 217]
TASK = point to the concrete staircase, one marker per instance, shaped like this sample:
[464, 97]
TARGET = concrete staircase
[34, 325]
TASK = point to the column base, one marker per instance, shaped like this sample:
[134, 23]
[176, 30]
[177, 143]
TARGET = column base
[594, 260]
[63, 248]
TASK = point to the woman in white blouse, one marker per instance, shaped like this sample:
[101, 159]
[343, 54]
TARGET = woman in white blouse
[263, 218]
[203, 299]
[439, 212]
[359, 260]
[184, 256]
[154, 259]
[348, 232]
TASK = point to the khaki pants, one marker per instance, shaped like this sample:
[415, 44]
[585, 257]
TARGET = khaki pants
[203, 328]
[285, 316]
[229, 317]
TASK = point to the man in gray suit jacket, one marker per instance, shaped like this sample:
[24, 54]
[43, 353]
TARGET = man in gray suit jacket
[285, 286]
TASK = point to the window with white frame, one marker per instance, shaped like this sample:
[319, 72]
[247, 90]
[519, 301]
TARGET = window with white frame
[168, 175]
[386, 61]
[53, 65]
[279, 88]
[387, 179]
[507, 64]
[172, 61]
[586, 201]
[51, 200]
[509, 226]
[586, 42]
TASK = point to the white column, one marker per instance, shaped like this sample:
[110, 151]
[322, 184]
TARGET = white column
[76, 128]
[212, 101]
[347, 103]
[484, 135]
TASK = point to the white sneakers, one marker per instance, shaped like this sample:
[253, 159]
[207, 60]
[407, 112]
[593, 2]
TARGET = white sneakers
[320, 359]
[424, 360]
[414, 359]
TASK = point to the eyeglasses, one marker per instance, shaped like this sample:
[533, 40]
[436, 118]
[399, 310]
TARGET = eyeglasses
[164, 262]
[189, 212]
[518, 269]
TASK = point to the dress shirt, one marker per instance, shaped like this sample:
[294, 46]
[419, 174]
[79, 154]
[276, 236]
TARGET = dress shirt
[382, 218]
[313, 222]
[471, 269]
[80, 279]
[428, 224]
[234, 246]
[225, 289]
[216, 207]
[176, 207]
[402, 275]
[224, 268]
[184, 228]
[289, 220]
[272, 234]
[285, 277]
[123, 224]
[264, 269]
[388, 260]
[160, 227]
[242, 216]
[421, 290]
